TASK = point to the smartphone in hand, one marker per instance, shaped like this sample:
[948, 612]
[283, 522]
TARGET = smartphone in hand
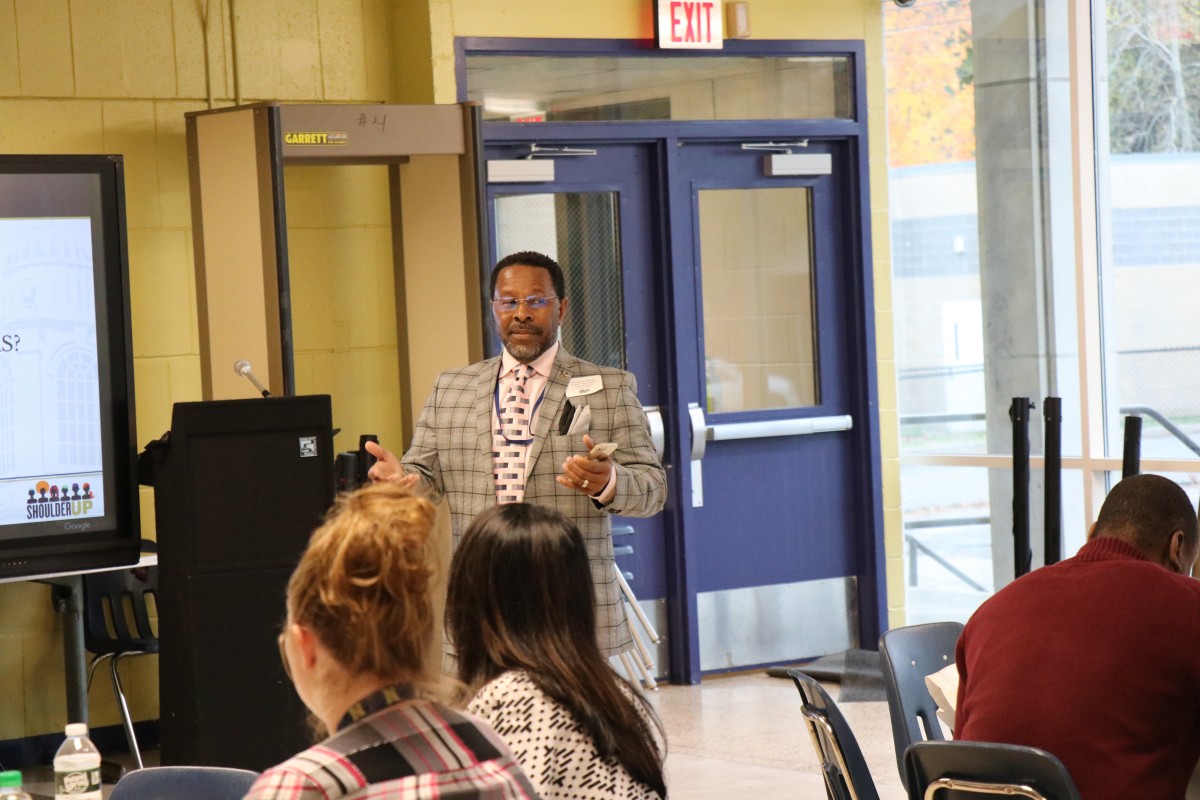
[602, 451]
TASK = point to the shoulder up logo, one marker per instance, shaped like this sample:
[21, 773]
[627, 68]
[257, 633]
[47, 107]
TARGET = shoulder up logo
[47, 501]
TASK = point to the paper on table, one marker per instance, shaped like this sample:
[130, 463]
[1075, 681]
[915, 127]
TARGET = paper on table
[943, 688]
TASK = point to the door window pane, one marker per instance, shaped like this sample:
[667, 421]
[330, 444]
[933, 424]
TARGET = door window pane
[756, 275]
[581, 231]
[658, 87]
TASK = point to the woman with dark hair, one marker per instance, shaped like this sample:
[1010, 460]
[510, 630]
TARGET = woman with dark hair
[356, 644]
[521, 613]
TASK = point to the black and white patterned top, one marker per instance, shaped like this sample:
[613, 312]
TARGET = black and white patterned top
[553, 749]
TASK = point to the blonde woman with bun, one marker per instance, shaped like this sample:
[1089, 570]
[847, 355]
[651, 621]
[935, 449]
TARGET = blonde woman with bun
[359, 627]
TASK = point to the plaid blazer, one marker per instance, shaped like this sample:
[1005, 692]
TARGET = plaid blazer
[452, 451]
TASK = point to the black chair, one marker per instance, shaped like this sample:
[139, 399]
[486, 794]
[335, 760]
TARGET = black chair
[961, 770]
[116, 624]
[842, 763]
[184, 783]
[908, 655]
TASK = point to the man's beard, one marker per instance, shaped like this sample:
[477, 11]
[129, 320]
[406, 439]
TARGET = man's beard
[529, 352]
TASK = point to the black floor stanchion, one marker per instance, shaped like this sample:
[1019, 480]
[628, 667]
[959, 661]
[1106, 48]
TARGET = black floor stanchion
[1018, 412]
[1052, 416]
[1131, 461]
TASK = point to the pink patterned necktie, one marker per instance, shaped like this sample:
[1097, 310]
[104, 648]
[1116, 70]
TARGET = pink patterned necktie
[512, 438]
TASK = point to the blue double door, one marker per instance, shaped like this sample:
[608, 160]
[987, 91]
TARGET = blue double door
[731, 278]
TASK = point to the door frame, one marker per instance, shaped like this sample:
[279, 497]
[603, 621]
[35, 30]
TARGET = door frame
[680, 318]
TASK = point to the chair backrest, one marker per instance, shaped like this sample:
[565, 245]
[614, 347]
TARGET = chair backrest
[908, 655]
[108, 599]
[842, 763]
[184, 783]
[961, 770]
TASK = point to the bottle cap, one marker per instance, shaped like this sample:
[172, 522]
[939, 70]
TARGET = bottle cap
[77, 729]
[10, 779]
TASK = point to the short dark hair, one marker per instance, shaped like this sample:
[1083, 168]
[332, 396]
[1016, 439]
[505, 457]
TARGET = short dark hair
[529, 258]
[1145, 510]
[521, 596]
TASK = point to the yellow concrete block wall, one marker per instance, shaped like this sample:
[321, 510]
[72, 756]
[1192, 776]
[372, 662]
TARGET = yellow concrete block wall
[343, 297]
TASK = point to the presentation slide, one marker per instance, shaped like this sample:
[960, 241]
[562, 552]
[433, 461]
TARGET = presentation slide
[50, 435]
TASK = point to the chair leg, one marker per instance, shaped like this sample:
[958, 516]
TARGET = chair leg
[125, 717]
[95, 663]
[630, 673]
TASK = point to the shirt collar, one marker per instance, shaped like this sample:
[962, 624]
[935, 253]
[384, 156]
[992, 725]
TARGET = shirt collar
[377, 701]
[541, 365]
[1102, 548]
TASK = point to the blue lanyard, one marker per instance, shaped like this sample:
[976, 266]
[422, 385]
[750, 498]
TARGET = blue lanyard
[532, 414]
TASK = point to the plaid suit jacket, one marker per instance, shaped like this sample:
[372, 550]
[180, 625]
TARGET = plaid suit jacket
[452, 451]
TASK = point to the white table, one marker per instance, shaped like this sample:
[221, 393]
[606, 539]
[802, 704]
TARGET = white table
[68, 599]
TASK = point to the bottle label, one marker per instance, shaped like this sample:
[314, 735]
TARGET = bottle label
[77, 782]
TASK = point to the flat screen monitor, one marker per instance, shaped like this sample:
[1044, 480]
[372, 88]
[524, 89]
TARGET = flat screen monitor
[68, 483]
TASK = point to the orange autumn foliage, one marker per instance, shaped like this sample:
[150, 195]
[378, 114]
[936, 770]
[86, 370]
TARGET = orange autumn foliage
[930, 96]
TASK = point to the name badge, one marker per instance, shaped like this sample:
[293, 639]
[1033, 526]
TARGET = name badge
[589, 384]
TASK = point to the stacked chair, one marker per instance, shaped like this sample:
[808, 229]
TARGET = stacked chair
[935, 769]
[908, 655]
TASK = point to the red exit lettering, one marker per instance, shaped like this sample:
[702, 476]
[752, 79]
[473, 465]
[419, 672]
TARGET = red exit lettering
[691, 21]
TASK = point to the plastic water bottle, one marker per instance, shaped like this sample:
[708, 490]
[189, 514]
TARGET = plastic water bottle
[77, 766]
[10, 786]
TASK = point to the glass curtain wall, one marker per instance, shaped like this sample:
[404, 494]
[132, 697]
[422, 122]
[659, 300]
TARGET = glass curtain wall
[1148, 143]
[1031, 259]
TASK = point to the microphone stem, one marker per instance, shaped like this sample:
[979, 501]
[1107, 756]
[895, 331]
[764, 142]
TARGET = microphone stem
[258, 385]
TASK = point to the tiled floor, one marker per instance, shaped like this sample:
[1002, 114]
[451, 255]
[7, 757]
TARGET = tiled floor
[742, 736]
[734, 736]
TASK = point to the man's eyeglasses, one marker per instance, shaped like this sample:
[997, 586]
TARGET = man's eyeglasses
[513, 303]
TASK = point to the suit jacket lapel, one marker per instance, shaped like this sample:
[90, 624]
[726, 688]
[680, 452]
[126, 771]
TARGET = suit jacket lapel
[485, 393]
[552, 401]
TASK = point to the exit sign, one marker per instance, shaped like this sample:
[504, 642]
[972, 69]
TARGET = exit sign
[690, 24]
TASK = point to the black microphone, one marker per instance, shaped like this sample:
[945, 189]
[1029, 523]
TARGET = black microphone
[365, 459]
[243, 368]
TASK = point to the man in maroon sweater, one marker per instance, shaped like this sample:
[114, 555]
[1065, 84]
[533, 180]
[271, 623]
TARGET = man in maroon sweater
[1097, 659]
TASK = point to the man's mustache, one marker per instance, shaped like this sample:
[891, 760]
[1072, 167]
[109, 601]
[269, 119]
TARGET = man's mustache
[524, 329]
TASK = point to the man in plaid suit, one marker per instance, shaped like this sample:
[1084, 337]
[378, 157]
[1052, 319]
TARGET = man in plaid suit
[575, 404]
